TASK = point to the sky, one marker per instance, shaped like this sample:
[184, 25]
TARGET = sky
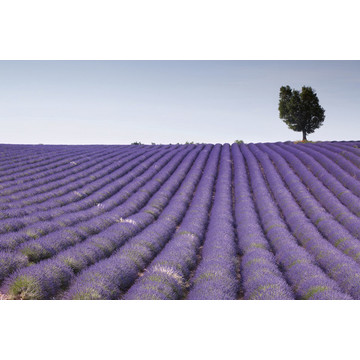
[162, 102]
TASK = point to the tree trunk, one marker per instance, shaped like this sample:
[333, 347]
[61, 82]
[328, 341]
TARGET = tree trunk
[304, 135]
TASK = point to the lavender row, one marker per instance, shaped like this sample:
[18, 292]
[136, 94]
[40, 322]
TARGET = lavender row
[9, 262]
[31, 172]
[351, 201]
[303, 272]
[70, 168]
[85, 197]
[117, 273]
[306, 278]
[329, 228]
[17, 154]
[260, 274]
[80, 199]
[87, 253]
[166, 277]
[75, 179]
[34, 221]
[95, 219]
[346, 153]
[333, 169]
[340, 156]
[295, 208]
[32, 159]
[13, 164]
[123, 192]
[34, 192]
[14, 154]
[349, 147]
[337, 156]
[341, 268]
[54, 243]
[325, 197]
[216, 276]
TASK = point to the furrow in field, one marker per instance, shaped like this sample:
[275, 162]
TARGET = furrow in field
[166, 278]
[254, 211]
[124, 189]
[80, 224]
[255, 221]
[33, 158]
[349, 148]
[336, 155]
[75, 179]
[325, 197]
[102, 186]
[149, 195]
[216, 275]
[24, 173]
[341, 268]
[332, 168]
[70, 168]
[300, 269]
[13, 154]
[350, 155]
[331, 229]
[118, 272]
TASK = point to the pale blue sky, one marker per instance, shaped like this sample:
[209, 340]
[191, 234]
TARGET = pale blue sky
[118, 102]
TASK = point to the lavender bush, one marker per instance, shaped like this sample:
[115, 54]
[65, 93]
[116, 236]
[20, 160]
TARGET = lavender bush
[247, 221]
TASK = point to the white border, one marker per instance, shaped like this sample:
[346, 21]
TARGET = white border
[179, 329]
[186, 29]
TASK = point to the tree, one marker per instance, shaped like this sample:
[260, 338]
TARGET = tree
[301, 111]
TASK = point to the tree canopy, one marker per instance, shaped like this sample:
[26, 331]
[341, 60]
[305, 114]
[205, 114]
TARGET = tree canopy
[301, 111]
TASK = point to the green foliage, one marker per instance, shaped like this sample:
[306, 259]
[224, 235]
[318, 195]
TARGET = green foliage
[90, 294]
[313, 291]
[305, 142]
[238, 142]
[35, 253]
[189, 143]
[301, 111]
[25, 288]
[74, 264]
[136, 143]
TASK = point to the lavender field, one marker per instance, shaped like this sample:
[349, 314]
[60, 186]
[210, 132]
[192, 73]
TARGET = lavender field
[256, 221]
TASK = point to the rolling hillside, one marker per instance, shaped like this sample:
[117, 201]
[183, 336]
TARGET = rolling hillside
[254, 221]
